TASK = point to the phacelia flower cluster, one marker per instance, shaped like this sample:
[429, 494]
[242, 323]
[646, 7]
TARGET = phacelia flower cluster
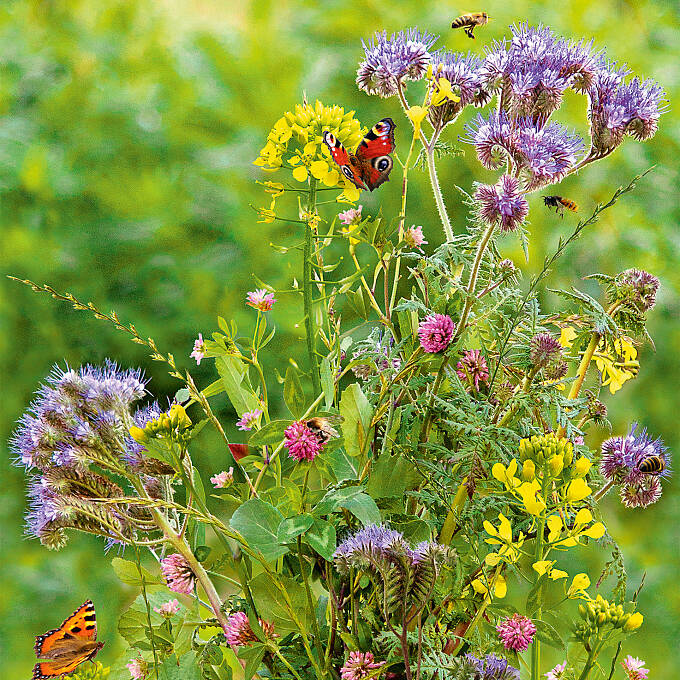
[503, 203]
[516, 632]
[359, 665]
[239, 632]
[491, 667]
[389, 61]
[436, 332]
[637, 463]
[637, 289]
[178, 574]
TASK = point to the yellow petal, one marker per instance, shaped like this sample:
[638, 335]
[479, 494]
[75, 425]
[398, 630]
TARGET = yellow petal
[479, 587]
[490, 528]
[634, 622]
[567, 336]
[577, 490]
[300, 173]
[416, 114]
[558, 573]
[504, 528]
[581, 466]
[501, 587]
[310, 149]
[580, 582]
[583, 516]
[319, 169]
[498, 471]
[595, 531]
[554, 523]
[542, 566]
[492, 559]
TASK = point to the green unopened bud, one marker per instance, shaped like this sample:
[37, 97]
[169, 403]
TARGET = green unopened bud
[582, 611]
[601, 618]
[623, 620]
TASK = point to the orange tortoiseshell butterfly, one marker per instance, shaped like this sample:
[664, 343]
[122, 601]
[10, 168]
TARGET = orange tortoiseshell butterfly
[65, 648]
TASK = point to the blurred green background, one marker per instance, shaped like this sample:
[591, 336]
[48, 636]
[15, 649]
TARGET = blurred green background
[127, 133]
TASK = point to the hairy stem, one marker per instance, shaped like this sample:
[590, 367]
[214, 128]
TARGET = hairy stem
[436, 190]
[307, 291]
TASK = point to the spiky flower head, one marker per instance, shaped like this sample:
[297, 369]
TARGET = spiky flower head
[389, 61]
[178, 574]
[239, 632]
[617, 108]
[596, 409]
[260, 299]
[642, 494]
[637, 288]
[535, 68]
[414, 237]
[506, 268]
[545, 349]
[436, 332]
[359, 665]
[516, 632]
[502, 203]
[472, 368]
[492, 667]
[462, 73]
[634, 668]
[301, 442]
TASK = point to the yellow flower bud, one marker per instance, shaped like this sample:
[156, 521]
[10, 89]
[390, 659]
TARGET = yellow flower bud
[556, 465]
[634, 622]
[581, 466]
[528, 470]
[138, 434]
[601, 618]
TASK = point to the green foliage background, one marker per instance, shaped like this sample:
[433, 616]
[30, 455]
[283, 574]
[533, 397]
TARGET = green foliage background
[127, 132]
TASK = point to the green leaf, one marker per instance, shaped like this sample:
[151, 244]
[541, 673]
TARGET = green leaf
[327, 381]
[271, 433]
[252, 654]
[546, 633]
[293, 394]
[356, 413]
[391, 476]
[184, 668]
[233, 373]
[292, 527]
[321, 537]
[363, 507]
[127, 572]
[341, 465]
[270, 602]
[213, 389]
[534, 599]
[258, 523]
[202, 552]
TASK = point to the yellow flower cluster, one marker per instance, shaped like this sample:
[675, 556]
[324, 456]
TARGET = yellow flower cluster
[174, 423]
[617, 363]
[296, 141]
[601, 617]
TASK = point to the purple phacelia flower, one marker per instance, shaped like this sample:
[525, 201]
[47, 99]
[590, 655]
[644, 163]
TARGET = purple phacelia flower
[493, 667]
[503, 203]
[390, 61]
[638, 288]
[494, 139]
[248, 419]
[436, 332]
[617, 109]
[178, 574]
[463, 73]
[516, 632]
[642, 494]
[359, 665]
[472, 368]
[301, 442]
[631, 458]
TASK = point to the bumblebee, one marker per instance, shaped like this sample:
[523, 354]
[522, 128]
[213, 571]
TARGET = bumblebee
[654, 465]
[560, 204]
[322, 428]
[468, 22]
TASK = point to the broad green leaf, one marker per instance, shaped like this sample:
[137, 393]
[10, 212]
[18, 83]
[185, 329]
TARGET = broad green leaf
[391, 476]
[292, 527]
[233, 373]
[293, 394]
[321, 537]
[327, 381]
[184, 668]
[271, 433]
[356, 413]
[127, 572]
[214, 389]
[341, 465]
[271, 604]
[252, 654]
[363, 507]
[546, 633]
[258, 523]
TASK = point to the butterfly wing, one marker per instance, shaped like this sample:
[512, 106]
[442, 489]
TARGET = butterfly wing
[69, 645]
[340, 155]
[374, 152]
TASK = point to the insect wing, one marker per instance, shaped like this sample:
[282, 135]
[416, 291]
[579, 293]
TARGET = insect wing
[342, 158]
[374, 152]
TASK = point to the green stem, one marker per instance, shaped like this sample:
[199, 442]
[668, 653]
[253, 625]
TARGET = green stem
[538, 556]
[310, 600]
[436, 190]
[307, 291]
[474, 274]
[286, 664]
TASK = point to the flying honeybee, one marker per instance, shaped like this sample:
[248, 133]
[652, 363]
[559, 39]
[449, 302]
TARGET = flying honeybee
[322, 428]
[560, 204]
[654, 465]
[468, 22]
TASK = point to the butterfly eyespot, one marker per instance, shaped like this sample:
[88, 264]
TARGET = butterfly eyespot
[382, 163]
[347, 172]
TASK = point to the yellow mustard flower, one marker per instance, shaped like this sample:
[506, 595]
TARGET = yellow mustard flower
[416, 115]
[506, 475]
[444, 93]
[634, 622]
[617, 364]
[498, 584]
[578, 587]
[509, 551]
[577, 490]
[567, 337]
[546, 567]
[531, 498]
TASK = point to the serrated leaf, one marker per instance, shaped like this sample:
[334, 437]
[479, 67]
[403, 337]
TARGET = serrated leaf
[391, 476]
[341, 465]
[252, 654]
[546, 633]
[184, 668]
[258, 523]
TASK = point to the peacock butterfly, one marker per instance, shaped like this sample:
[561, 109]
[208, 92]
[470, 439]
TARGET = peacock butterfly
[370, 165]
